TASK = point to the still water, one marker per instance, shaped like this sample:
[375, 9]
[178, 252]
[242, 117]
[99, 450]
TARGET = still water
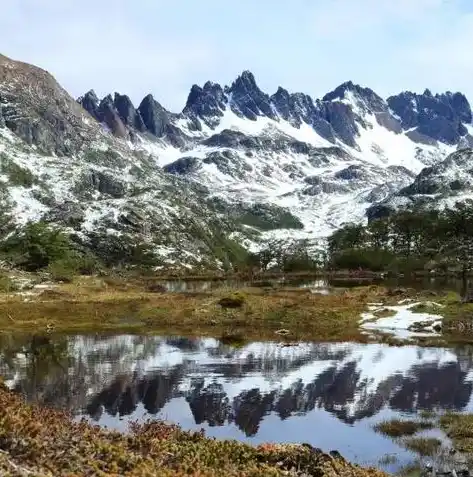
[319, 285]
[326, 394]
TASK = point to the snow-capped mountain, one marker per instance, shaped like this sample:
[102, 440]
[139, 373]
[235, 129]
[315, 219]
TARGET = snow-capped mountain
[235, 162]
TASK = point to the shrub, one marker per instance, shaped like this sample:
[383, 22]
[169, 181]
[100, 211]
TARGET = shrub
[235, 300]
[120, 251]
[36, 246]
[17, 175]
[62, 271]
[7, 285]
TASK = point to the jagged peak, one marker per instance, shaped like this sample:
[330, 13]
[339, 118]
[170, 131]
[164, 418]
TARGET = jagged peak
[91, 94]
[281, 92]
[247, 75]
[148, 98]
[340, 91]
[122, 97]
[206, 100]
[211, 85]
[107, 99]
[245, 80]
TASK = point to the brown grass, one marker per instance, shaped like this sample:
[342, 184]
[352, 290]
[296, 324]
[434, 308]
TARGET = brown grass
[102, 305]
[423, 446]
[399, 428]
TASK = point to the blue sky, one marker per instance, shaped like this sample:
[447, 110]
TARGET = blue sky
[163, 47]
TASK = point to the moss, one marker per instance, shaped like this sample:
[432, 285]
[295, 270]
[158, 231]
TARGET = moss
[235, 300]
[399, 428]
[423, 446]
[45, 442]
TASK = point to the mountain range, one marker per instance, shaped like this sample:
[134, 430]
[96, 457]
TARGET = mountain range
[235, 166]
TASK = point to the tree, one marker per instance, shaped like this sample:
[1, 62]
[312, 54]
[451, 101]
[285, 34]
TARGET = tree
[458, 230]
[37, 245]
[349, 237]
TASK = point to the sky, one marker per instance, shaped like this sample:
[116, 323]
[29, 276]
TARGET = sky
[137, 47]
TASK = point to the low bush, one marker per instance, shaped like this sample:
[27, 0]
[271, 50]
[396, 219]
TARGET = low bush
[7, 285]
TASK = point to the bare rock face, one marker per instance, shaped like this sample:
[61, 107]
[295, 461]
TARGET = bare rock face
[36, 108]
[155, 117]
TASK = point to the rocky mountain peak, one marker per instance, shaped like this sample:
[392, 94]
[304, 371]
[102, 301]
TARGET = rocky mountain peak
[127, 112]
[39, 111]
[90, 102]
[247, 99]
[155, 117]
[364, 97]
[440, 117]
[206, 103]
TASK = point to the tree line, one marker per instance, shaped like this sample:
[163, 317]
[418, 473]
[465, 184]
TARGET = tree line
[407, 240]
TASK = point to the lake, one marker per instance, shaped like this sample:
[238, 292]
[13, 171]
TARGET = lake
[327, 394]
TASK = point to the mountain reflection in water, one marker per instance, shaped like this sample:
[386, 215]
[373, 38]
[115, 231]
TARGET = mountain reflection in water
[115, 379]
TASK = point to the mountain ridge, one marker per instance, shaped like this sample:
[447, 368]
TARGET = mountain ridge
[236, 166]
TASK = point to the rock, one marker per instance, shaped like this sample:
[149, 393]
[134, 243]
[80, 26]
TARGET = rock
[285, 105]
[341, 119]
[248, 100]
[439, 117]
[133, 219]
[102, 182]
[90, 102]
[155, 117]
[206, 103]
[39, 111]
[397, 292]
[183, 166]
[127, 112]
[108, 115]
[70, 214]
[350, 173]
